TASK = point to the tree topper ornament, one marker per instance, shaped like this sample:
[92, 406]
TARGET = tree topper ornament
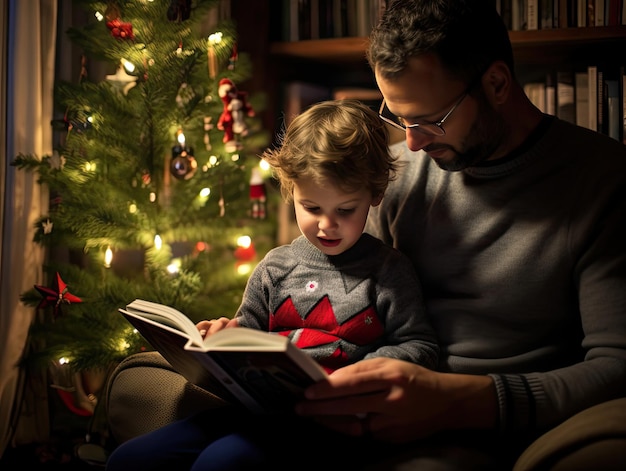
[231, 120]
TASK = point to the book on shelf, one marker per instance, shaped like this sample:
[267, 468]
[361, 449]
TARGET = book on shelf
[565, 105]
[547, 14]
[601, 109]
[532, 14]
[599, 13]
[613, 109]
[613, 12]
[581, 88]
[262, 371]
[550, 94]
[592, 99]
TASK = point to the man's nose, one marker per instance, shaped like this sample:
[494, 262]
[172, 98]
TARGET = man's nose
[417, 140]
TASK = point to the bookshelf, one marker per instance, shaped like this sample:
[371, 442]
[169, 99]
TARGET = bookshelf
[340, 61]
[334, 62]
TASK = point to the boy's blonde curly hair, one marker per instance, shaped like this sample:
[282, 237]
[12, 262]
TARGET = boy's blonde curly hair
[342, 141]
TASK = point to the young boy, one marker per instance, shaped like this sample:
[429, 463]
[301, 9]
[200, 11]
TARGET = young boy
[338, 293]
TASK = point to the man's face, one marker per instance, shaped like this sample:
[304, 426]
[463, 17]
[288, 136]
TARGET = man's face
[426, 100]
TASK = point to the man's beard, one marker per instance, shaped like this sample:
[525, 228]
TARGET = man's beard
[483, 138]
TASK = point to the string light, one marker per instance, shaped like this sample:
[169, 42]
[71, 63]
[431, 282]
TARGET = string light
[244, 241]
[214, 39]
[129, 66]
[174, 266]
[108, 257]
[158, 243]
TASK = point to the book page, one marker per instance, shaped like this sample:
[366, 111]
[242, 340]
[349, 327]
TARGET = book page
[244, 338]
[166, 315]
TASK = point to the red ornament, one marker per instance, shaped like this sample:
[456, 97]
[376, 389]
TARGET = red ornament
[54, 297]
[120, 30]
[245, 254]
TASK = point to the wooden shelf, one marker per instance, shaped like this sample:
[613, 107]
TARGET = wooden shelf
[529, 46]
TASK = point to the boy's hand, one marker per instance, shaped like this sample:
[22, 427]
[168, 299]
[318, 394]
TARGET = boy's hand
[207, 328]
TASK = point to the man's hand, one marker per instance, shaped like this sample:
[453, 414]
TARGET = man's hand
[398, 401]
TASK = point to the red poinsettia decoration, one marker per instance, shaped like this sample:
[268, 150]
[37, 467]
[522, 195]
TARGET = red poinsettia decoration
[121, 30]
[54, 297]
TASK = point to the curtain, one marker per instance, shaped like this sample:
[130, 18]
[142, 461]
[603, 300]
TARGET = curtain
[27, 50]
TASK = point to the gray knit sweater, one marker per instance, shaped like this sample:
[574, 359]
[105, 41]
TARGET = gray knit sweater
[523, 267]
[365, 302]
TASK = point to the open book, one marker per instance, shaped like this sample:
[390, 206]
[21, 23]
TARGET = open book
[263, 371]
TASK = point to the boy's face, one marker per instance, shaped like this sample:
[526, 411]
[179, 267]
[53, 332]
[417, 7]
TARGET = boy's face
[330, 218]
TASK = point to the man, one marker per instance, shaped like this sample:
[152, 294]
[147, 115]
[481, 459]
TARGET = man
[516, 224]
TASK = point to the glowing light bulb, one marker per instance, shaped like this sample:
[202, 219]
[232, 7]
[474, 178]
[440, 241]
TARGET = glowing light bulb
[108, 257]
[129, 66]
[244, 241]
[158, 243]
[244, 269]
[215, 38]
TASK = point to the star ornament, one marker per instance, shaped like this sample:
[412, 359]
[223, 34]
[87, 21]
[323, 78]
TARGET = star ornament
[57, 161]
[57, 296]
[47, 226]
[123, 80]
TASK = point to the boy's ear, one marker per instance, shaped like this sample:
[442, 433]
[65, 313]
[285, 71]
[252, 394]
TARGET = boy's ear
[376, 200]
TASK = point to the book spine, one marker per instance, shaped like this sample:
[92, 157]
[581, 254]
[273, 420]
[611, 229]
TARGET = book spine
[592, 78]
[565, 109]
[599, 13]
[550, 95]
[547, 14]
[582, 98]
[601, 102]
[532, 14]
[613, 104]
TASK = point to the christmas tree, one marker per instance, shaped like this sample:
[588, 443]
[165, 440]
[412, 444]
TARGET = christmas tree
[156, 186]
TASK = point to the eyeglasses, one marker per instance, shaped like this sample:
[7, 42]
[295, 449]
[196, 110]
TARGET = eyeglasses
[430, 129]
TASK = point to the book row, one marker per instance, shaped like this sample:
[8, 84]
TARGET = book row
[521, 15]
[592, 98]
[320, 19]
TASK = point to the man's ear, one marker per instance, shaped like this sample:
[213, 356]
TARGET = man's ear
[497, 82]
[376, 200]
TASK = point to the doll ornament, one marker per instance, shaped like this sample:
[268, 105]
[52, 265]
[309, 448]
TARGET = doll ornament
[257, 194]
[232, 121]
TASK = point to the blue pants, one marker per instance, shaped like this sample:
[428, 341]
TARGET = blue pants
[229, 439]
[234, 440]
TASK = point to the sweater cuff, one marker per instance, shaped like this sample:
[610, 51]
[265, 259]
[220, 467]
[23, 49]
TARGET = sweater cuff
[517, 402]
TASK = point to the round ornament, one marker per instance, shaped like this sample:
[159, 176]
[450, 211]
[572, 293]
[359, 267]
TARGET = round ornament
[183, 165]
